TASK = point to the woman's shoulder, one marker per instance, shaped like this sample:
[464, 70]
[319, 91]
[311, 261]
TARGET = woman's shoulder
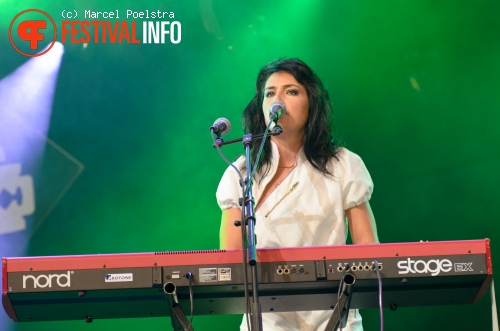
[346, 159]
[343, 154]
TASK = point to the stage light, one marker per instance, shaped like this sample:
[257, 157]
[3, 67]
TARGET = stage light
[26, 97]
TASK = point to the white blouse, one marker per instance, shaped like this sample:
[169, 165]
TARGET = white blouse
[306, 209]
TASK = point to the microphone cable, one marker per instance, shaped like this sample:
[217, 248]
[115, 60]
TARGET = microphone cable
[341, 285]
[191, 301]
[380, 305]
[262, 143]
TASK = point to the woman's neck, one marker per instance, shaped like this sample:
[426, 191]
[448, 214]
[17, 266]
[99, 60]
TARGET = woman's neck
[288, 150]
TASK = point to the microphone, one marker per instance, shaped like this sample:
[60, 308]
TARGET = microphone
[221, 126]
[276, 110]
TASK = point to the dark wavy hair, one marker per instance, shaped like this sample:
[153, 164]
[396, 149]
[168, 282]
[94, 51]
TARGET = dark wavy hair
[320, 143]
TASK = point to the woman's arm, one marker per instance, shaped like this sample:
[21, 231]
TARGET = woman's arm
[362, 224]
[230, 235]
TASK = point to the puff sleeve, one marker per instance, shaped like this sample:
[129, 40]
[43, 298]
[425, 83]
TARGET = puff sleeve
[229, 190]
[355, 180]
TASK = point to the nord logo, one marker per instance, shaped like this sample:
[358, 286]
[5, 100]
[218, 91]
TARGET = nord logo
[43, 281]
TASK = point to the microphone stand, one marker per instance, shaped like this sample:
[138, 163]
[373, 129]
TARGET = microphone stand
[277, 130]
[252, 242]
[250, 220]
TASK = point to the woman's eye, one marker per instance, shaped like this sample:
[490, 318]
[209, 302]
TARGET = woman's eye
[293, 92]
[269, 94]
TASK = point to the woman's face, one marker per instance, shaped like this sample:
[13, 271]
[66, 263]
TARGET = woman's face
[282, 86]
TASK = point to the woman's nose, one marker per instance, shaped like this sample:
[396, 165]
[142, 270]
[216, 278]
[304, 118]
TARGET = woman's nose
[278, 97]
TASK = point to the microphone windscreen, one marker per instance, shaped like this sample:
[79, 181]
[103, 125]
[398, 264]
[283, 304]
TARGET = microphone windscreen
[278, 108]
[221, 126]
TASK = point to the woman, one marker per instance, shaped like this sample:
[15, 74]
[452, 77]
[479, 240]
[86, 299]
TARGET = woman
[306, 186]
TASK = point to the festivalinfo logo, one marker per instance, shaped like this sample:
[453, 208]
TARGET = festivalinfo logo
[31, 29]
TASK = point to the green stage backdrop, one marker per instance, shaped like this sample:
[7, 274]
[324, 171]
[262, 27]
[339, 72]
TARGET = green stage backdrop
[416, 90]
